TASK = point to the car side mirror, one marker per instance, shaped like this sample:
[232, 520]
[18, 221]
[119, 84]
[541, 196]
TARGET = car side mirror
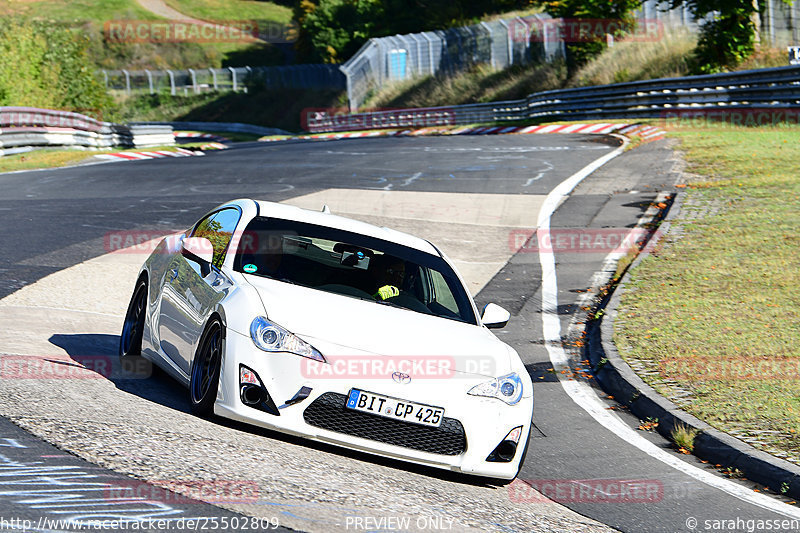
[199, 250]
[494, 316]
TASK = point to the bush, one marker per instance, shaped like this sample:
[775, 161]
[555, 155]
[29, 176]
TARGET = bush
[43, 66]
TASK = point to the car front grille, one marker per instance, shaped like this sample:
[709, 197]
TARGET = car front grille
[328, 412]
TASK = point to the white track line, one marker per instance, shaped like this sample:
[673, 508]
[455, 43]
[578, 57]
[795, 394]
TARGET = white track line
[583, 395]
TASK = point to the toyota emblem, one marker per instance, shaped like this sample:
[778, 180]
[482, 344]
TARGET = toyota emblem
[401, 378]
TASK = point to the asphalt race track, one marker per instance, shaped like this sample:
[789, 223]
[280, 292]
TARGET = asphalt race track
[483, 196]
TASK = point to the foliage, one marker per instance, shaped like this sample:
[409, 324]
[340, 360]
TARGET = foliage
[333, 30]
[728, 36]
[683, 436]
[582, 50]
[46, 66]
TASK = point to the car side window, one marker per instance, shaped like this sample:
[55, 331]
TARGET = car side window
[218, 228]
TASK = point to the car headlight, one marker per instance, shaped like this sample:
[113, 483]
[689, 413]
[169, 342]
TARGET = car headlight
[507, 388]
[271, 337]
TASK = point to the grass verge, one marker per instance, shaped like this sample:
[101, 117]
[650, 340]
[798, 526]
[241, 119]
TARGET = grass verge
[233, 10]
[72, 11]
[55, 157]
[713, 315]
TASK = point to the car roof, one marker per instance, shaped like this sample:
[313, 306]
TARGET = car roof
[320, 218]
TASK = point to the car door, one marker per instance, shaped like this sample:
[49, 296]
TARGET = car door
[191, 291]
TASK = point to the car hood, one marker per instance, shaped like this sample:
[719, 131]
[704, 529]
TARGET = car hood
[343, 326]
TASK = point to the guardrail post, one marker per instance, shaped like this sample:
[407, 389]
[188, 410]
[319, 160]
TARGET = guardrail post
[249, 74]
[194, 80]
[150, 80]
[214, 77]
[127, 81]
[233, 78]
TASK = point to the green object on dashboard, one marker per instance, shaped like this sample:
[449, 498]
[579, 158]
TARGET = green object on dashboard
[386, 292]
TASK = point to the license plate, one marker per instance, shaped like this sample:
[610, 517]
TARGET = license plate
[388, 407]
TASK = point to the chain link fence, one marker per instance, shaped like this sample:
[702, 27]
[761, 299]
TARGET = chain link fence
[499, 43]
[195, 81]
[779, 23]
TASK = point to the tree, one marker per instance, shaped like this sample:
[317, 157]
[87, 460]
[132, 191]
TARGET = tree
[582, 48]
[333, 30]
[728, 35]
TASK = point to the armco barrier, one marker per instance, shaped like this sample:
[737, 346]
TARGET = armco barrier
[225, 127]
[773, 90]
[22, 128]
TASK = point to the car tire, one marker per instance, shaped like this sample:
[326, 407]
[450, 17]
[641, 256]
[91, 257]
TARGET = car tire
[130, 340]
[206, 365]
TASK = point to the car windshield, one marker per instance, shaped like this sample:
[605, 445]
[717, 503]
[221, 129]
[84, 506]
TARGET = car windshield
[354, 265]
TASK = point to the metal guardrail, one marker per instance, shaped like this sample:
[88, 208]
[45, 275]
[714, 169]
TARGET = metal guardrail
[23, 128]
[224, 127]
[773, 89]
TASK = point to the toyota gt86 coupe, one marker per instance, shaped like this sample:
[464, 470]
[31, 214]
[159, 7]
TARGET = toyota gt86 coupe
[335, 330]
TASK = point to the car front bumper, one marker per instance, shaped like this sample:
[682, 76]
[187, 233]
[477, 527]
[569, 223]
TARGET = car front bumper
[485, 421]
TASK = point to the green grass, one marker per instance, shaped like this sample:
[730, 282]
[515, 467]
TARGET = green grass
[58, 157]
[89, 16]
[233, 10]
[97, 11]
[638, 60]
[683, 436]
[714, 316]
[625, 61]
[480, 83]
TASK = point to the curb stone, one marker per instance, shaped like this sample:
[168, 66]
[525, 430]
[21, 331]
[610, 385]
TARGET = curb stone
[644, 132]
[618, 379]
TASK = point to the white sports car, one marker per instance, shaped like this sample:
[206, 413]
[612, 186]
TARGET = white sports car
[329, 328]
